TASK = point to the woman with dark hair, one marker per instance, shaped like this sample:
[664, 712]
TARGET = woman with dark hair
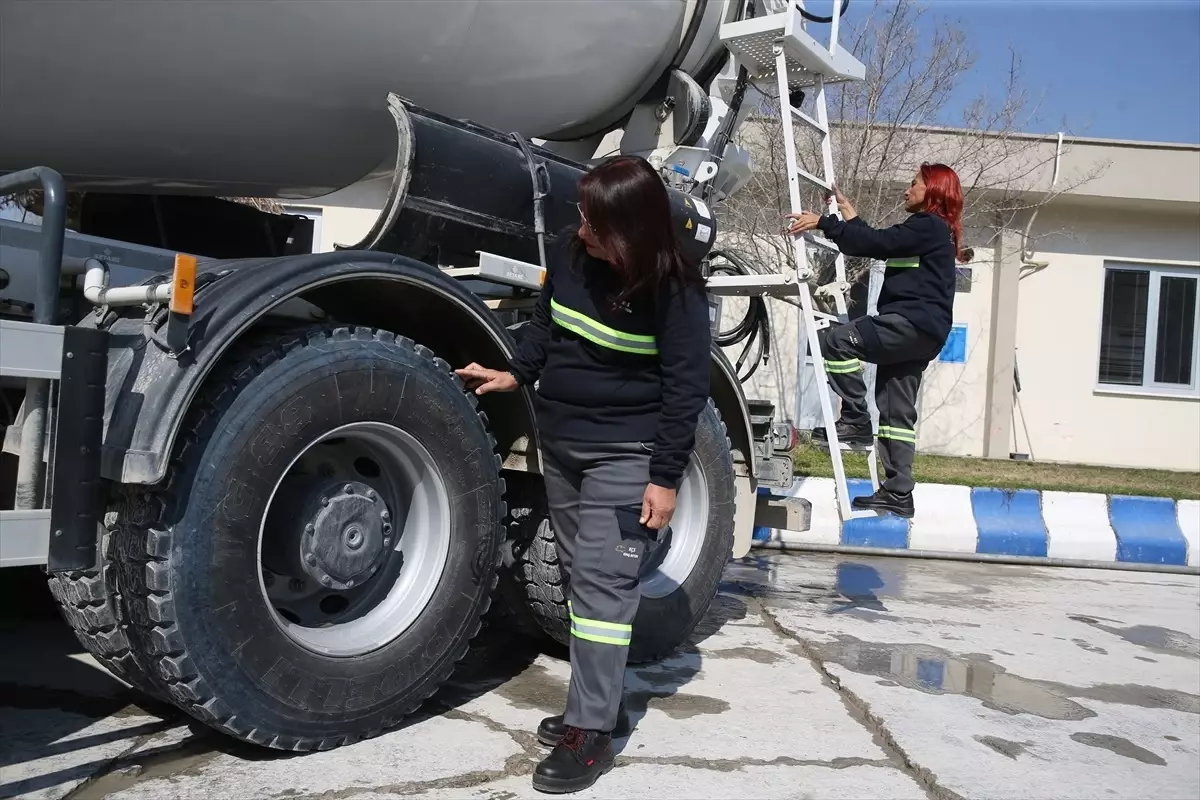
[619, 347]
[915, 311]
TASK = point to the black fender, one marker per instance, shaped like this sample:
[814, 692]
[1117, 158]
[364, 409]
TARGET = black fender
[149, 390]
[726, 392]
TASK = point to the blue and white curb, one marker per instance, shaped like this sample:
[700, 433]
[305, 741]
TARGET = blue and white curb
[1021, 523]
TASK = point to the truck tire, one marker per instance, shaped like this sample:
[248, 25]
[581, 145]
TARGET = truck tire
[325, 544]
[92, 606]
[676, 595]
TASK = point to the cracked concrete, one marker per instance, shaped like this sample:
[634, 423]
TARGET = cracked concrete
[815, 677]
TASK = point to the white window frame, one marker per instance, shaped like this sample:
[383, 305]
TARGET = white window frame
[1150, 388]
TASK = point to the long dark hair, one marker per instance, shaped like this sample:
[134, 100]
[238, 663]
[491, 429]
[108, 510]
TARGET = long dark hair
[628, 209]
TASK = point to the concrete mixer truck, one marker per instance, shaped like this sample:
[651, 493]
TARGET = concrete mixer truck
[256, 486]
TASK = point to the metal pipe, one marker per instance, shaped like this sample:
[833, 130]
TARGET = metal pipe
[33, 445]
[95, 289]
[985, 558]
[45, 312]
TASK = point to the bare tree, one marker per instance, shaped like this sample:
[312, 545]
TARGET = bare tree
[883, 128]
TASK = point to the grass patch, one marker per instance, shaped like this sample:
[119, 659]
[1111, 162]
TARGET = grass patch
[814, 462]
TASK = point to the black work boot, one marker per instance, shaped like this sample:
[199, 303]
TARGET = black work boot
[575, 763]
[551, 730]
[883, 500]
[859, 435]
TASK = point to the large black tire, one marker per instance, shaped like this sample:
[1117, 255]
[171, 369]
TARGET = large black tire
[663, 624]
[190, 565]
[91, 605]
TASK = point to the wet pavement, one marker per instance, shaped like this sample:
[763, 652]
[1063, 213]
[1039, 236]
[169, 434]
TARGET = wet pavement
[814, 677]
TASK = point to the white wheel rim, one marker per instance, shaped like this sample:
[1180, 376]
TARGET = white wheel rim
[689, 527]
[391, 600]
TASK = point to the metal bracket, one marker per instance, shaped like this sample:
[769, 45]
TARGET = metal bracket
[77, 486]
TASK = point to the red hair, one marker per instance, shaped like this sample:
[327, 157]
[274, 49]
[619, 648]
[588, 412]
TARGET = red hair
[944, 198]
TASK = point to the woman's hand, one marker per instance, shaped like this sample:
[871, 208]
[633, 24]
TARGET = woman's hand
[844, 206]
[658, 506]
[484, 380]
[802, 222]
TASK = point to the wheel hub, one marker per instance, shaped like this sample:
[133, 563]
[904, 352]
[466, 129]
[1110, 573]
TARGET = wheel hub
[347, 536]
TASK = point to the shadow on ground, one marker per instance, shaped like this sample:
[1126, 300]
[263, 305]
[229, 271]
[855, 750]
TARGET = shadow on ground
[79, 723]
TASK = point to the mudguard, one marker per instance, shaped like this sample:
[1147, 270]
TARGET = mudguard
[149, 390]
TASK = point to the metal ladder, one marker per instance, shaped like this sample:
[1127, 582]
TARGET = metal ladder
[778, 46]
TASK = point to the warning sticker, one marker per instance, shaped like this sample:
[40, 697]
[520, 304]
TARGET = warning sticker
[702, 209]
[703, 233]
[688, 226]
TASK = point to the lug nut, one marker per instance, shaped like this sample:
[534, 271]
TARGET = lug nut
[349, 489]
[371, 494]
[349, 584]
[326, 580]
[324, 501]
[387, 527]
[385, 515]
[387, 541]
[310, 528]
[310, 559]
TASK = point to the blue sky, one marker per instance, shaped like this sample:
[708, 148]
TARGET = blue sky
[1121, 69]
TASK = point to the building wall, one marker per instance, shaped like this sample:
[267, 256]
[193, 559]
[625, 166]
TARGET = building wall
[1058, 343]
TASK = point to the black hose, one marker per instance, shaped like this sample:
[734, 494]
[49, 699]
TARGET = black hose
[754, 328]
[815, 18]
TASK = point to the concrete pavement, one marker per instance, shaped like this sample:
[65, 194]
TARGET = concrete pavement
[814, 677]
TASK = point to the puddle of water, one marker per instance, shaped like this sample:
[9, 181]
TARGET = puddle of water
[935, 671]
[1122, 747]
[186, 759]
[756, 654]
[665, 675]
[535, 688]
[676, 705]
[1002, 746]
[1153, 638]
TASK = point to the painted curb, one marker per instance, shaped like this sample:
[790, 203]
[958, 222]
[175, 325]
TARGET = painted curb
[1020, 523]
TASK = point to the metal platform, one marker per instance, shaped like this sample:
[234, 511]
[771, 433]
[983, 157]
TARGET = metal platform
[752, 43]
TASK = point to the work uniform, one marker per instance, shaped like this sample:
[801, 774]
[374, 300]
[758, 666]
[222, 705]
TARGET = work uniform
[620, 390]
[915, 312]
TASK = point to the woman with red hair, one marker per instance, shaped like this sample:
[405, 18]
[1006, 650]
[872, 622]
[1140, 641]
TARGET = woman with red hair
[915, 311]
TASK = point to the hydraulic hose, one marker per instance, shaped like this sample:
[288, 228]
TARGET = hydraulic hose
[815, 18]
[754, 328]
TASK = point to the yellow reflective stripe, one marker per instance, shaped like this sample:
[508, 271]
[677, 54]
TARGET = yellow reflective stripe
[840, 367]
[903, 263]
[595, 623]
[899, 434]
[600, 326]
[591, 637]
[591, 337]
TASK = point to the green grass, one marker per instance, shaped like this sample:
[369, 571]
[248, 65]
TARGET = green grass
[814, 462]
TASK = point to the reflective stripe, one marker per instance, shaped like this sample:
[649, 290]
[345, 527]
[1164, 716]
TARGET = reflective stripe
[903, 263]
[600, 333]
[899, 434]
[841, 367]
[595, 630]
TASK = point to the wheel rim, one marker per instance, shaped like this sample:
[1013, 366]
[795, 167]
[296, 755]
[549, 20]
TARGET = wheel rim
[689, 527]
[355, 539]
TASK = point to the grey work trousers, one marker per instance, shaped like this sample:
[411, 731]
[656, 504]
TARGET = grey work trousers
[594, 492]
[901, 353]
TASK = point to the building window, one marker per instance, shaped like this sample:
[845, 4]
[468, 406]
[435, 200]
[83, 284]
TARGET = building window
[1148, 333]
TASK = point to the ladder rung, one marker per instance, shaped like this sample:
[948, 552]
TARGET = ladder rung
[800, 115]
[808, 176]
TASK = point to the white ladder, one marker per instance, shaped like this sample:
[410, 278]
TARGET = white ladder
[778, 45]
